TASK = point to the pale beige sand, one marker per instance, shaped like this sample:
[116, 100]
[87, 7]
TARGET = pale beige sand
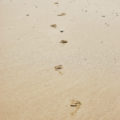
[31, 88]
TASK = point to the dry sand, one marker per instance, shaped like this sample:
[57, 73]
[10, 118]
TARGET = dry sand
[42, 78]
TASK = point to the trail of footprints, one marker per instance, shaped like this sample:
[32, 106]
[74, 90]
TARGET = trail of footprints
[58, 68]
[75, 104]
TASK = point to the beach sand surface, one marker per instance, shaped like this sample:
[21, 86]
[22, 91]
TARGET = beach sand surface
[59, 60]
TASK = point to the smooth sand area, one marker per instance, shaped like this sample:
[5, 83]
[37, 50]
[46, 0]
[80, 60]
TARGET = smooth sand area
[59, 59]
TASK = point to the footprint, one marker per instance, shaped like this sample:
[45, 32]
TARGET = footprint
[63, 41]
[61, 31]
[107, 24]
[56, 3]
[58, 68]
[76, 105]
[36, 6]
[54, 25]
[103, 16]
[116, 14]
[27, 15]
[62, 14]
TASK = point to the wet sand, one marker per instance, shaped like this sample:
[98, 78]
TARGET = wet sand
[59, 60]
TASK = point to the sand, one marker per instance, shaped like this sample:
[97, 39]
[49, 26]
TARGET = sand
[42, 78]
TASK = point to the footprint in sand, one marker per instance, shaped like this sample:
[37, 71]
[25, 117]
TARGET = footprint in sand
[61, 31]
[61, 14]
[107, 24]
[27, 14]
[58, 68]
[53, 26]
[76, 105]
[56, 3]
[63, 41]
[103, 16]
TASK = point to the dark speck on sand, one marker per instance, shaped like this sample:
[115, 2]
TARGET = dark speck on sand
[27, 15]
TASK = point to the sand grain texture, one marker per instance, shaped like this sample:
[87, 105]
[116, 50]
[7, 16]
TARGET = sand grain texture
[31, 88]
